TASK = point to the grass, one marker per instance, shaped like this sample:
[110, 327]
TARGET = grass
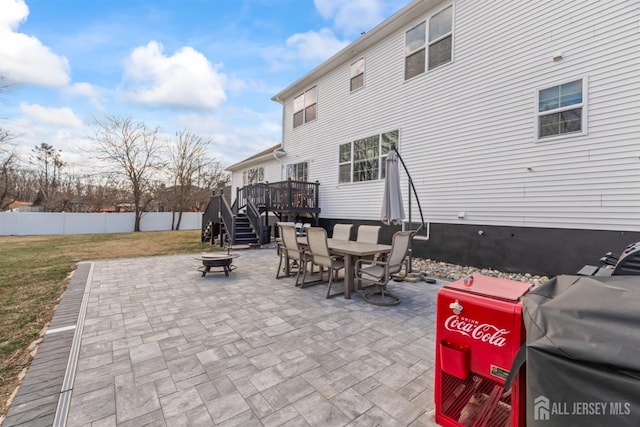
[33, 276]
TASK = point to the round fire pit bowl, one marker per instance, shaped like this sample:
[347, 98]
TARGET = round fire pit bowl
[221, 260]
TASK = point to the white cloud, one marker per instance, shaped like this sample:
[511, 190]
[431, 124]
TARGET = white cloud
[311, 47]
[352, 16]
[185, 79]
[13, 13]
[52, 116]
[235, 134]
[86, 90]
[315, 45]
[23, 58]
[73, 143]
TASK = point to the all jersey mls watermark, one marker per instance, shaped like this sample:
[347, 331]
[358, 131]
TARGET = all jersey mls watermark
[543, 408]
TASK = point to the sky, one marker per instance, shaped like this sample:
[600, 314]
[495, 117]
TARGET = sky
[207, 66]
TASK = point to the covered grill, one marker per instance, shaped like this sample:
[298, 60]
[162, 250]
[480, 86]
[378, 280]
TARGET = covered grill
[625, 264]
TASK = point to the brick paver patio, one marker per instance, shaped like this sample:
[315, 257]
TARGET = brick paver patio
[161, 345]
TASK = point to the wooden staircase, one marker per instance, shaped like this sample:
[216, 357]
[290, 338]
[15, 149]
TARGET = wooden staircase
[244, 233]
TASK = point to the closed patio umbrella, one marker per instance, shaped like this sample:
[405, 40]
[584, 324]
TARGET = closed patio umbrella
[392, 208]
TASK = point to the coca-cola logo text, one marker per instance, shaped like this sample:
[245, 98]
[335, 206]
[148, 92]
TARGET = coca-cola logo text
[484, 332]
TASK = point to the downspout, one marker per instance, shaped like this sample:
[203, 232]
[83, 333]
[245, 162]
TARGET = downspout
[279, 101]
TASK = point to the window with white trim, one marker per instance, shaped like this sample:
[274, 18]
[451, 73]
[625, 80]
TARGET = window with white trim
[298, 171]
[305, 107]
[438, 45]
[440, 36]
[357, 75]
[561, 109]
[365, 159]
[253, 176]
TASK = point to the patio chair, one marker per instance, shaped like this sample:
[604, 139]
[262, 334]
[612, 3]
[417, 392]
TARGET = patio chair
[301, 228]
[368, 233]
[319, 250]
[293, 252]
[342, 231]
[280, 247]
[379, 273]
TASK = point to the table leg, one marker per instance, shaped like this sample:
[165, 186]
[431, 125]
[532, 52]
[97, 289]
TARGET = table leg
[348, 276]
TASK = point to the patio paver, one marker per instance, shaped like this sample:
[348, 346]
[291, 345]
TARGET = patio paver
[162, 345]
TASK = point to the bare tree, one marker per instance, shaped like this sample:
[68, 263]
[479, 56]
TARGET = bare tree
[134, 151]
[8, 160]
[189, 166]
[49, 164]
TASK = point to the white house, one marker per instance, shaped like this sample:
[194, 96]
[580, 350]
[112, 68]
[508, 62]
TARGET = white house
[518, 121]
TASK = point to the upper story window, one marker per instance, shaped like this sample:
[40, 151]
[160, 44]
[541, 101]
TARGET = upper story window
[440, 35]
[298, 171]
[253, 176]
[561, 109]
[305, 107]
[357, 74]
[438, 44]
[365, 159]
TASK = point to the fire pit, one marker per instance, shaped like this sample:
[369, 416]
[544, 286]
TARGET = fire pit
[217, 260]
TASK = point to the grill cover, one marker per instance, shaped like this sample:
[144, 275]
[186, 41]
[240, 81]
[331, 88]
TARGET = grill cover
[583, 351]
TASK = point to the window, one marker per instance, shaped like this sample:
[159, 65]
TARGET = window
[344, 163]
[439, 44]
[304, 107]
[298, 171]
[253, 176]
[364, 159]
[560, 109]
[357, 74]
[389, 139]
[414, 51]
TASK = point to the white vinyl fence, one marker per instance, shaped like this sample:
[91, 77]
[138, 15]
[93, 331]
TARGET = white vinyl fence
[39, 223]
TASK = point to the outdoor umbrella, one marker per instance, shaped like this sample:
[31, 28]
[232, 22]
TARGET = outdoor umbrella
[392, 208]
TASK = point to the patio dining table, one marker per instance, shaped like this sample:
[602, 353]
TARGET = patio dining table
[351, 251]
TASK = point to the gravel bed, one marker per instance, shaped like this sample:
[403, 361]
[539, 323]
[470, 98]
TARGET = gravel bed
[445, 270]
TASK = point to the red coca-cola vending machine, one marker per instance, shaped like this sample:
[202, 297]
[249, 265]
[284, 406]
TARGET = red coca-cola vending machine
[479, 332]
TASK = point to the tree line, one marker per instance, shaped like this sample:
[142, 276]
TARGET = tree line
[133, 169]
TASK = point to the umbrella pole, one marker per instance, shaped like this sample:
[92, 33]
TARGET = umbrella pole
[410, 252]
[415, 193]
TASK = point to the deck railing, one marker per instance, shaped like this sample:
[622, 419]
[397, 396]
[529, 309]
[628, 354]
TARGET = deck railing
[228, 218]
[284, 196]
[253, 213]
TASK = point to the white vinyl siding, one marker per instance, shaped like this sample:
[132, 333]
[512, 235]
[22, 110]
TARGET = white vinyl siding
[469, 134]
[272, 172]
